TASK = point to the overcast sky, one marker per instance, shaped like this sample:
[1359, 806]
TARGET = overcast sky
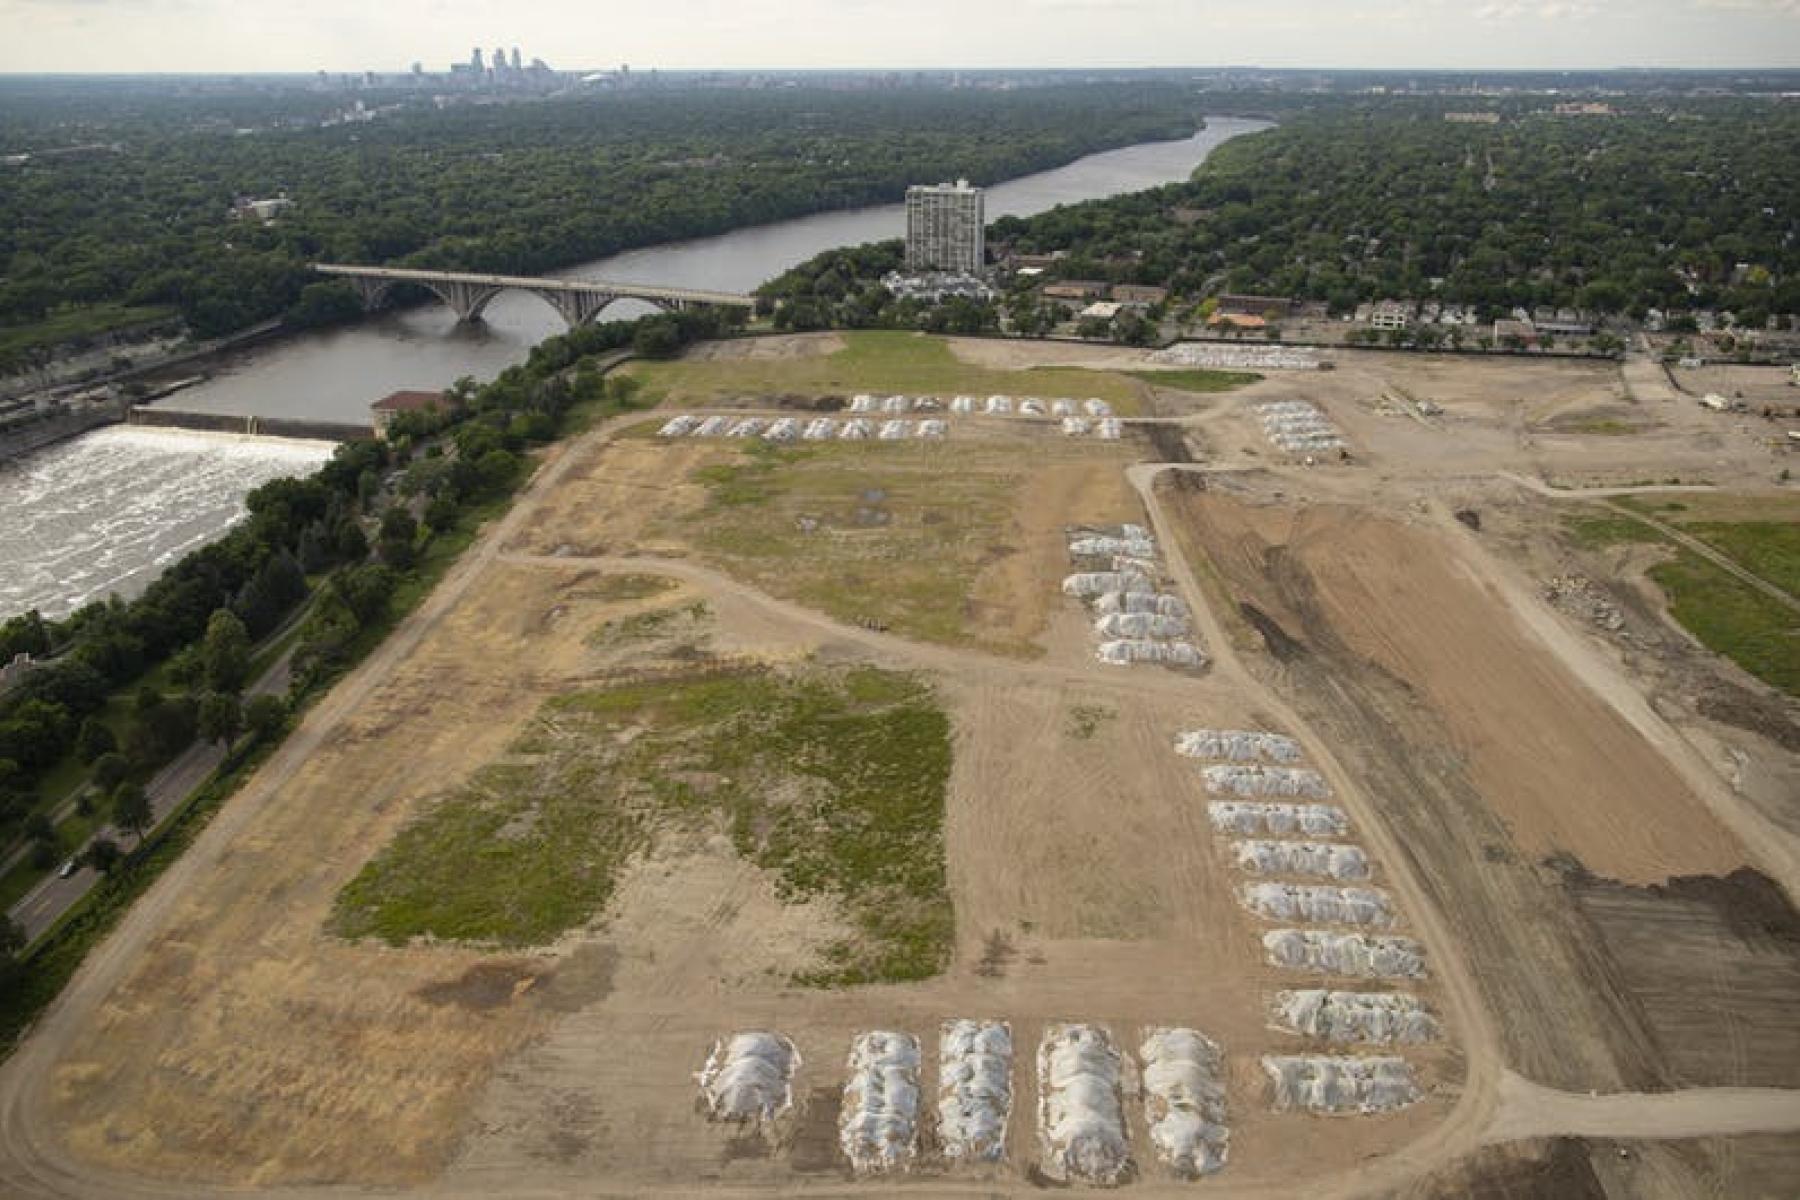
[387, 35]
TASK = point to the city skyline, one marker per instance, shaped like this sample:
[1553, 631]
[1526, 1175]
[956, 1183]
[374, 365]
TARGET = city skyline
[334, 35]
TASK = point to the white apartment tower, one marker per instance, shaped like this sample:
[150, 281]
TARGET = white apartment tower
[945, 228]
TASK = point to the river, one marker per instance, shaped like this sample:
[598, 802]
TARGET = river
[73, 529]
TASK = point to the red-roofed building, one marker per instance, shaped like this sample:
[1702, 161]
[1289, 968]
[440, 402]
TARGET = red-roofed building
[384, 410]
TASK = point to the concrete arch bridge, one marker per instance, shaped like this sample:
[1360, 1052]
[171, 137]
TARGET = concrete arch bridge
[578, 300]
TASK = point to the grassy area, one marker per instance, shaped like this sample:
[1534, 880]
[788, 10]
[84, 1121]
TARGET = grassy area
[75, 323]
[1198, 379]
[833, 781]
[1729, 617]
[891, 533]
[878, 362]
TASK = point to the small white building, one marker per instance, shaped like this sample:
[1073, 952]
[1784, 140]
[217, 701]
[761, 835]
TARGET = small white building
[1391, 314]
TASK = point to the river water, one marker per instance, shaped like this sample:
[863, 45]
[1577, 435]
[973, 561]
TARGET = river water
[109, 510]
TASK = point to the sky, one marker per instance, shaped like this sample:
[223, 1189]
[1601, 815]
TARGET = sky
[389, 35]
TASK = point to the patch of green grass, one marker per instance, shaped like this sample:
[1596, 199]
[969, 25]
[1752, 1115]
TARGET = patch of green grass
[832, 781]
[875, 361]
[1198, 379]
[629, 587]
[1731, 618]
[1769, 549]
[73, 323]
[1594, 532]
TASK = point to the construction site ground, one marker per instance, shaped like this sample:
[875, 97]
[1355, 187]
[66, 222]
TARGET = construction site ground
[1590, 824]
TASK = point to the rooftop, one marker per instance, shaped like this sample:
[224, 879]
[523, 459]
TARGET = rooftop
[408, 401]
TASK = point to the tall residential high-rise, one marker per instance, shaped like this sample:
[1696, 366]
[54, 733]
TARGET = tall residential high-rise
[517, 65]
[475, 60]
[945, 228]
[499, 59]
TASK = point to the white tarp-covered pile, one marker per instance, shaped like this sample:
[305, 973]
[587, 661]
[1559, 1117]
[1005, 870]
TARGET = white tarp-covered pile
[932, 427]
[1321, 860]
[1144, 601]
[713, 427]
[1140, 625]
[1134, 540]
[1110, 429]
[1322, 952]
[1318, 902]
[998, 406]
[963, 405]
[749, 1077]
[1250, 817]
[1031, 406]
[1253, 358]
[1237, 745]
[1096, 407]
[864, 404]
[818, 429]
[878, 1124]
[678, 426]
[1122, 652]
[1299, 426]
[896, 404]
[1340, 1085]
[856, 429]
[1232, 779]
[974, 1089]
[1184, 1100]
[1084, 584]
[895, 431]
[1378, 1018]
[1081, 1120]
[785, 430]
[748, 427]
[1075, 426]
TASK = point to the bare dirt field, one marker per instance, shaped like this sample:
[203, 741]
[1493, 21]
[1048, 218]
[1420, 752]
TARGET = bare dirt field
[1570, 853]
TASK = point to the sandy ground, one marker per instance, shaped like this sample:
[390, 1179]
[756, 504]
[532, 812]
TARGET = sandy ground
[1009, 355]
[1525, 816]
[767, 349]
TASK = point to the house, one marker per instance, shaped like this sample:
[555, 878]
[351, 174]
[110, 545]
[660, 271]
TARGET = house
[1225, 321]
[1257, 306]
[1391, 314]
[1076, 289]
[1104, 310]
[1522, 332]
[1139, 293]
[384, 410]
[265, 211]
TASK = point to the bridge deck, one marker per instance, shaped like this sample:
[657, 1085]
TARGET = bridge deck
[647, 291]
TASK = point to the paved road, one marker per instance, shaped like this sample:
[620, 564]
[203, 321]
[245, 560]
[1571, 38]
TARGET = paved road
[43, 904]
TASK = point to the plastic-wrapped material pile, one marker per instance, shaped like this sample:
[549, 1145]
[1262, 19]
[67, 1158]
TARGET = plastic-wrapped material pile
[1249, 817]
[1123, 652]
[1237, 745]
[1184, 1101]
[1110, 430]
[1095, 583]
[864, 404]
[1235, 780]
[1161, 603]
[933, 428]
[999, 406]
[895, 431]
[1074, 426]
[749, 1077]
[713, 427]
[1320, 860]
[1324, 953]
[1031, 406]
[1062, 408]
[784, 430]
[1239, 358]
[963, 405]
[818, 429]
[678, 426]
[1133, 540]
[878, 1124]
[748, 427]
[896, 404]
[1298, 426]
[856, 429]
[1095, 407]
[1340, 1085]
[1140, 625]
[1377, 1018]
[1081, 1121]
[974, 1089]
[1318, 902]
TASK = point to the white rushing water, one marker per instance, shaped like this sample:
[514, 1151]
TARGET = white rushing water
[108, 511]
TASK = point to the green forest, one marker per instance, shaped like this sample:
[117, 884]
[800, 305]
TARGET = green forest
[1673, 207]
[1682, 207]
[136, 220]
